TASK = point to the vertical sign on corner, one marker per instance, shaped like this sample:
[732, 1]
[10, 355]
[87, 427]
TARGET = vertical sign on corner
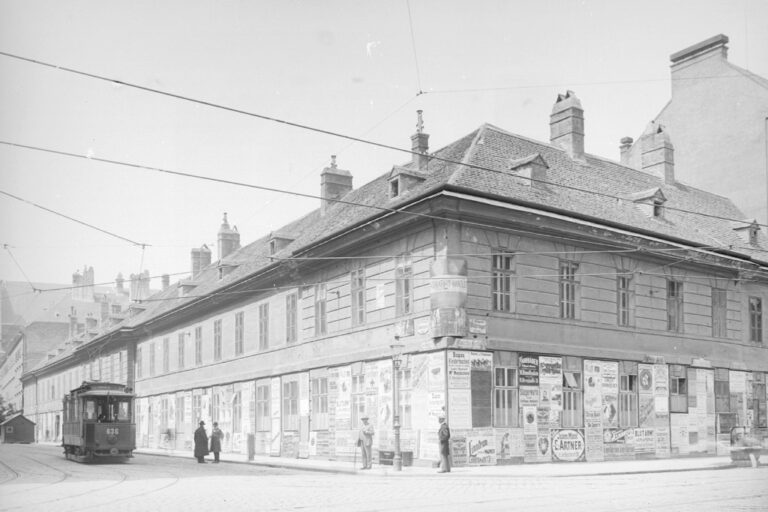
[448, 297]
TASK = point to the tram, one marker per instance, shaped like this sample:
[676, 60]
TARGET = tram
[98, 422]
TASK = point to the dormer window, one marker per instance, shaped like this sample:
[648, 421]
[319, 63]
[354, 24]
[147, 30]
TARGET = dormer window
[272, 247]
[748, 230]
[650, 202]
[394, 187]
[753, 234]
[658, 208]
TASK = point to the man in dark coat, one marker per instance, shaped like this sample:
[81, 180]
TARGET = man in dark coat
[444, 434]
[216, 436]
[365, 442]
[201, 443]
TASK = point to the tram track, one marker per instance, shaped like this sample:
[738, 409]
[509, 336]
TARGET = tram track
[13, 473]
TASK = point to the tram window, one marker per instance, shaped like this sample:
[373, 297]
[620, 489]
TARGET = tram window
[123, 412]
[90, 410]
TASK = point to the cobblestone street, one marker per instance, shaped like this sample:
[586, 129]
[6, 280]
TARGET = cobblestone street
[34, 478]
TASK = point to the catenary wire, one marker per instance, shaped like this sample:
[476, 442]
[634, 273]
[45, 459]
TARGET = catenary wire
[139, 244]
[330, 133]
[10, 253]
[413, 45]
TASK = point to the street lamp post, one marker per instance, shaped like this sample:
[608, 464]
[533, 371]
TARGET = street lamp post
[397, 359]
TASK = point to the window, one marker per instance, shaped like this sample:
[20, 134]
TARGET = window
[505, 413]
[321, 325]
[404, 285]
[756, 319]
[215, 406]
[217, 340]
[658, 208]
[198, 346]
[678, 388]
[237, 413]
[719, 313]
[319, 390]
[628, 400]
[674, 306]
[501, 282]
[197, 407]
[722, 391]
[239, 328]
[263, 418]
[623, 295]
[406, 399]
[394, 188]
[572, 399]
[181, 350]
[357, 287]
[291, 318]
[264, 326]
[568, 271]
[151, 360]
[358, 399]
[291, 405]
[166, 354]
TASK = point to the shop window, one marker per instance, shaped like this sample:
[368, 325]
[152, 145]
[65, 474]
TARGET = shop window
[291, 405]
[263, 418]
[505, 398]
[678, 389]
[237, 413]
[217, 340]
[197, 408]
[357, 286]
[756, 319]
[674, 306]
[502, 281]
[628, 400]
[722, 391]
[319, 390]
[358, 399]
[719, 313]
[264, 326]
[321, 319]
[568, 289]
[404, 285]
[481, 382]
[239, 332]
[198, 346]
[573, 398]
[291, 318]
[623, 296]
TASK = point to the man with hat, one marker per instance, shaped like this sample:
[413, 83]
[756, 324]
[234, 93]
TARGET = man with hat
[365, 442]
[444, 434]
[201, 443]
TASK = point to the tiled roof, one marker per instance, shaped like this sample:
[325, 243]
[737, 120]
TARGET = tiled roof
[595, 188]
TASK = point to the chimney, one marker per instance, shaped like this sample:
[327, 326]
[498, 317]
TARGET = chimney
[420, 144]
[335, 183]
[119, 283]
[229, 239]
[710, 51]
[566, 125]
[626, 150]
[201, 258]
[657, 153]
[166, 280]
[140, 286]
[77, 283]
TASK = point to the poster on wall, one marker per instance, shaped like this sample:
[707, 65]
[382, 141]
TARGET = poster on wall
[509, 444]
[644, 441]
[645, 378]
[619, 443]
[543, 434]
[661, 388]
[459, 449]
[679, 434]
[385, 398]
[528, 370]
[460, 408]
[436, 375]
[529, 396]
[459, 367]
[593, 394]
[568, 445]
[435, 407]
[481, 448]
[344, 399]
[429, 445]
[551, 382]
[530, 434]
[609, 373]
[275, 403]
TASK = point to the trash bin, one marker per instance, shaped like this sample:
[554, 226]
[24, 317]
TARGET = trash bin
[407, 458]
[385, 458]
[251, 446]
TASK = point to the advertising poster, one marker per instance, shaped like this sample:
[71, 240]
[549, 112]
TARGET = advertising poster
[459, 449]
[661, 388]
[304, 394]
[371, 372]
[385, 398]
[481, 447]
[481, 361]
[509, 444]
[435, 407]
[312, 443]
[647, 413]
[276, 430]
[568, 445]
[529, 421]
[528, 370]
[618, 443]
[551, 382]
[448, 297]
[436, 377]
[645, 378]
[344, 399]
[529, 396]
[662, 438]
[429, 445]
[679, 434]
[459, 369]
[593, 435]
[460, 408]
[543, 447]
[593, 394]
[610, 388]
[531, 448]
[644, 441]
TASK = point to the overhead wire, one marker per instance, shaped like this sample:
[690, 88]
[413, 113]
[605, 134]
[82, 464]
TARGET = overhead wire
[318, 130]
[413, 45]
[10, 253]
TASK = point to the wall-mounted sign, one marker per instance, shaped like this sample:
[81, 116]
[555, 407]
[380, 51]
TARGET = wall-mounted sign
[478, 325]
[448, 297]
[528, 371]
[568, 445]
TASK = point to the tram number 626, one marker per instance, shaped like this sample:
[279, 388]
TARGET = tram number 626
[113, 431]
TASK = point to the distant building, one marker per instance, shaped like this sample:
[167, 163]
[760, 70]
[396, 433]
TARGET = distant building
[17, 429]
[555, 305]
[717, 119]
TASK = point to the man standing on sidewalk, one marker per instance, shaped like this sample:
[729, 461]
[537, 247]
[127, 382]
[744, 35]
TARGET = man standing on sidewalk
[201, 443]
[216, 436]
[444, 434]
[365, 441]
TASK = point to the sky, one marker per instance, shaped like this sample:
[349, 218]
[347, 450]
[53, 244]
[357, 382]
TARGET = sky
[359, 68]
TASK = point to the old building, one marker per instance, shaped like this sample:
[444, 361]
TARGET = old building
[555, 304]
[717, 117]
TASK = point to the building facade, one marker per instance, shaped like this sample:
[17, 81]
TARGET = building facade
[557, 306]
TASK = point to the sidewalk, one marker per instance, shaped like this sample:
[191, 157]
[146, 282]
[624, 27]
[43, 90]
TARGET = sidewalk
[563, 469]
